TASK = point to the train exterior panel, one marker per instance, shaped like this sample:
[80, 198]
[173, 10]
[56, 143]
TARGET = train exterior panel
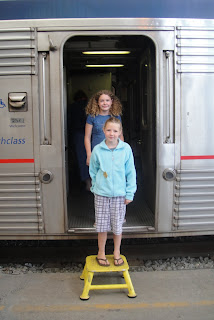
[166, 88]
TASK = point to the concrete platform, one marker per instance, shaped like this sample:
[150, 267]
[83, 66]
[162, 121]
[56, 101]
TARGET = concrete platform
[161, 295]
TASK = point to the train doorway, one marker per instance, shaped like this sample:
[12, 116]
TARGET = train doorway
[134, 82]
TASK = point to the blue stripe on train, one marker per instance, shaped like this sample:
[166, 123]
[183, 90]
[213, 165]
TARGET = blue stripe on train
[42, 9]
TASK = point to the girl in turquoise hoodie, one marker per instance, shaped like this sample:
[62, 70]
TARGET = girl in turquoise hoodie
[113, 177]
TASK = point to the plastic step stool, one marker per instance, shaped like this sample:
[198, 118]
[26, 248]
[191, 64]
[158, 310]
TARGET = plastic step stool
[91, 267]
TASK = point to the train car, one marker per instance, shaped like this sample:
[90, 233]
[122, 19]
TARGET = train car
[162, 69]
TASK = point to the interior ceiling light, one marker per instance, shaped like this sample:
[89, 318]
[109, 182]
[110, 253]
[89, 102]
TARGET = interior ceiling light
[106, 52]
[104, 65]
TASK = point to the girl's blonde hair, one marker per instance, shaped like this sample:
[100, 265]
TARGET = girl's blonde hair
[113, 120]
[92, 107]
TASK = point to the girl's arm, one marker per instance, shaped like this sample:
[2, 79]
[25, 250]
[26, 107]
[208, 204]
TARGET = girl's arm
[93, 169]
[87, 141]
[130, 171]
[121, 136]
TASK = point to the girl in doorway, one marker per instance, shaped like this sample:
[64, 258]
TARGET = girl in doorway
[113, 177]
[101, 107]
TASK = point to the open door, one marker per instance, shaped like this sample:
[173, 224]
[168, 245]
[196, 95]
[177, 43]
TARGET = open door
[146, 157]
[131, 86]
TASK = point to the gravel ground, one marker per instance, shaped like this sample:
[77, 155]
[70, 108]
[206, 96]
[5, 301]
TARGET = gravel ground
[137, 265]
[187, 263]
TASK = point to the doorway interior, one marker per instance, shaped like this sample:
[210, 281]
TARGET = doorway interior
[132, 77]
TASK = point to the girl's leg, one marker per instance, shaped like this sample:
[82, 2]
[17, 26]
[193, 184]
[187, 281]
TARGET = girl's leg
[117, 244]
[102, 237]
[102, 215]
[118, 211]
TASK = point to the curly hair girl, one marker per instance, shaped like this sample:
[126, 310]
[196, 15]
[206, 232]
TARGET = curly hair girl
[93, 108]
[103, 105]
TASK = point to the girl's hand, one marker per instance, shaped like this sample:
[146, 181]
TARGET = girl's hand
[127, 201]
[88, 160]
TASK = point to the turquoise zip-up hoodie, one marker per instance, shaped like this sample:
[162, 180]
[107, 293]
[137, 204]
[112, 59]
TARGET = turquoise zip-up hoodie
[113, 173]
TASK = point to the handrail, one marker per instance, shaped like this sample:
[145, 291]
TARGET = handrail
[45, 139]
[169, 114]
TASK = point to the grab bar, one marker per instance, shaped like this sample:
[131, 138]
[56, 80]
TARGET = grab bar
[45, 139]
[169, 99]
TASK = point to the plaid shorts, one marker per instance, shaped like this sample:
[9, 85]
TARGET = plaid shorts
[109, 213]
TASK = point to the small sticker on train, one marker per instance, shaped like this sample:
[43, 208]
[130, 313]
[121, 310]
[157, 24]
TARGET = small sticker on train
[2, 104]
[17, 120]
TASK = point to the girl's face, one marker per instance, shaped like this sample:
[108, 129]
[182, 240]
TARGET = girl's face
[104, 104]
[112, 132]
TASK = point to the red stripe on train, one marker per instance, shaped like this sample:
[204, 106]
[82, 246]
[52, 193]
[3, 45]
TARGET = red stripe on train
[16, 160]
[196, 157]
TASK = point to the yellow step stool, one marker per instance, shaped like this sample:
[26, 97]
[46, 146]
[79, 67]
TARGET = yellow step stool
[92, 266]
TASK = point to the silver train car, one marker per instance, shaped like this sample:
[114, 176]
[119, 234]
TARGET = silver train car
[165, 83]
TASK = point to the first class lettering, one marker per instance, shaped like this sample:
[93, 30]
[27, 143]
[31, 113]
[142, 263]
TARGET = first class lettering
[12, 140]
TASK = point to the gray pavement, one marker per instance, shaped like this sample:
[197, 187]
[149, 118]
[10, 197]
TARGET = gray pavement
[161, 295]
